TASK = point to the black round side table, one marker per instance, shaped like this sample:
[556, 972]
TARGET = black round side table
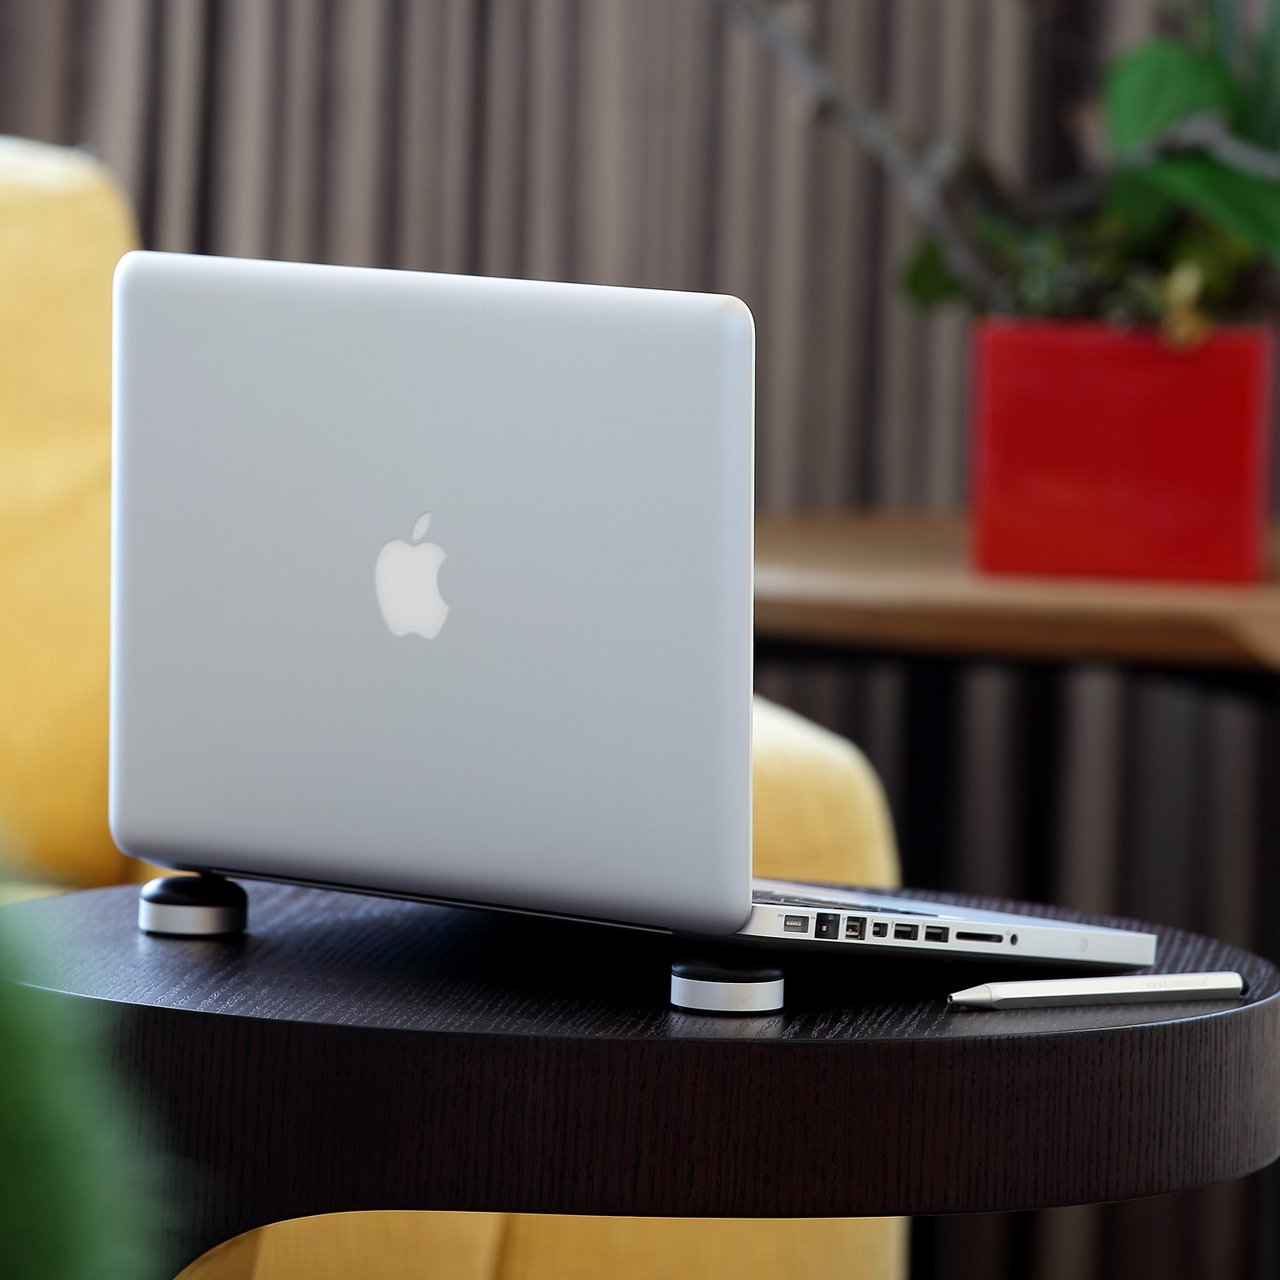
[363, 1053]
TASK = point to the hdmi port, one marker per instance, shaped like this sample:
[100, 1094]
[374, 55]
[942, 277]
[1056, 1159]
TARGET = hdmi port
[978, 937]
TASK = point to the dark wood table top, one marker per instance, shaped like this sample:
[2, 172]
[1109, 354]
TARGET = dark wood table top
[364, 1053]
[906, 581]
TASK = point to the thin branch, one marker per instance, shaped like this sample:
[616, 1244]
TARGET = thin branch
[1205, 134]
[921, 182]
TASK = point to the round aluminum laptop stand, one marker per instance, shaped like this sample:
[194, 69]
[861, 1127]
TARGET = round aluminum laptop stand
[199, 906]
[717, 988]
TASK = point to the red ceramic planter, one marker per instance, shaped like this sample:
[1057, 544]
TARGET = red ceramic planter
[1107, 453]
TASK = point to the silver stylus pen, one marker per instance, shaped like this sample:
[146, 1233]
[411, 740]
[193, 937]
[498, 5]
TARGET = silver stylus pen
[1143, 989]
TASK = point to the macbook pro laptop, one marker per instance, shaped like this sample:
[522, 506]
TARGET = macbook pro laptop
[441, 587]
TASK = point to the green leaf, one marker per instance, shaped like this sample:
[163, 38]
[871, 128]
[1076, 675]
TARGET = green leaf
[1139, 208]
[1237, 202]
[997, 232]
[1159, 84]
[927, 279]
[76, 1202]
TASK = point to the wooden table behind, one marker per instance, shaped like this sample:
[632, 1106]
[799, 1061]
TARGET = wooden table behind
[905, 582]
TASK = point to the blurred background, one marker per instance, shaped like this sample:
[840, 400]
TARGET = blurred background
[662, 143]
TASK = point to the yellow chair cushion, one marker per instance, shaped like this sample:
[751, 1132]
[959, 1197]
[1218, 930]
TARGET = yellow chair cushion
[351, 1246]
[493, 1246]
[551, 1248]
[820, 814]
[63, 225]
[21, 890]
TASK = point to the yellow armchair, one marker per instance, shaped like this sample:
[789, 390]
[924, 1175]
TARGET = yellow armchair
[63, 225]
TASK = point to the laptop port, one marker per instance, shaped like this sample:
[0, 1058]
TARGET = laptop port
[855, 927]
[962, 936]
[828, 925]
[906, 932]
[880, 929]
[795, 924]
[935, 933]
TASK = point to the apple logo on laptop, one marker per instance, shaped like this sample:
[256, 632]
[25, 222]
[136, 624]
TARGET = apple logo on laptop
[405, 580]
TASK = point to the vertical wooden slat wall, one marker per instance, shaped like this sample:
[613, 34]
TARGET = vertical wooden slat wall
[652, 142]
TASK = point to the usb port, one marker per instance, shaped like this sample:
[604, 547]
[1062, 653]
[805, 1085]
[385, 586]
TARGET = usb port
[935, 933]
[855, 927]
[828, 925]
[906, 932]
[795, 924]
[880, 929]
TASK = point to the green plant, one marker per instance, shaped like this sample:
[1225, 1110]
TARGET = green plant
[1181, 221]
[77, 1201]
[1176, 224]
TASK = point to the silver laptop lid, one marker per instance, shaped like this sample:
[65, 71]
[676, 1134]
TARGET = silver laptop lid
[434, 585]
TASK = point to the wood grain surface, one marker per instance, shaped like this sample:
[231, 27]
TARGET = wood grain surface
[363, 1053]
[906, 582]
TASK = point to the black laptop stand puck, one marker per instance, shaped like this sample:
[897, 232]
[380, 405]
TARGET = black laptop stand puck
[713, 988]
[199, 906]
